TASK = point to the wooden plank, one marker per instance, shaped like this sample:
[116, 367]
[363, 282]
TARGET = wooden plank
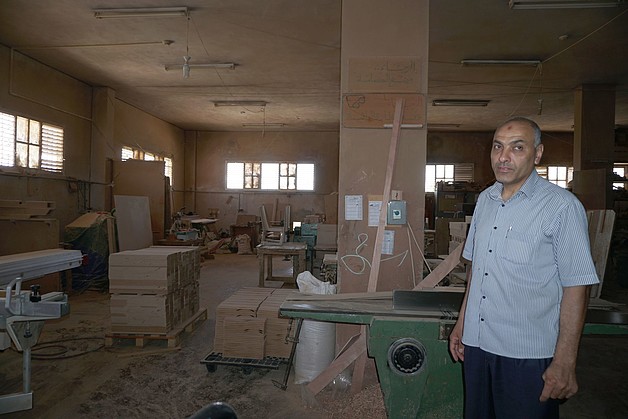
[390, 168]
[338, 365]
[601, 223]
[442, 270]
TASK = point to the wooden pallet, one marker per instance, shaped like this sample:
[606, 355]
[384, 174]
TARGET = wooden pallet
[173, 337]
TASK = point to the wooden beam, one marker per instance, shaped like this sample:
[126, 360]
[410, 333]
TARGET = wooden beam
[338, 365]
[390, 168]
[441, 270]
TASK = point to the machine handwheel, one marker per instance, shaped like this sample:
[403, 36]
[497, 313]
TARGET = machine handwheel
[211, 367]
[406, 356]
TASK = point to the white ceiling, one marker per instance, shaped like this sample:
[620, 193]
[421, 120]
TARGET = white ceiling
[288, 54]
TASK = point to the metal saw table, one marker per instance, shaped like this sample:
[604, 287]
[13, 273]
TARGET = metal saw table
[407, 335]
[410, 346]
[23, 312]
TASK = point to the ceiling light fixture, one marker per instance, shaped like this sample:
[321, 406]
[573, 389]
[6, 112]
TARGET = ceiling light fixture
[141, 12]
[186, 57]
[265, 125]
[460, 102]
[531, 62]
[240, 103]
[228, 66]
[565, 4]
[436, 126]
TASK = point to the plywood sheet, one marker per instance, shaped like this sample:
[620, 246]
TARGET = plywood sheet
[144, 178]
[20, 236]
[377, 110]
[133, 222]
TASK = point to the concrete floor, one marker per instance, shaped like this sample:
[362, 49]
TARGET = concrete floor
[155, 381]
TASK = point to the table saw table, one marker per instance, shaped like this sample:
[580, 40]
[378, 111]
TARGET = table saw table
[407, 335]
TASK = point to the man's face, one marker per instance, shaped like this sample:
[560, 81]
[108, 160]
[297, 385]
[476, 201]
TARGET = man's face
[513, 154]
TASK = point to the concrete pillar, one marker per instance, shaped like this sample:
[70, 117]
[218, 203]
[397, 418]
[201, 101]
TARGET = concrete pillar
[376, 35]
[594, 142]
[384, 50]
[103, 123]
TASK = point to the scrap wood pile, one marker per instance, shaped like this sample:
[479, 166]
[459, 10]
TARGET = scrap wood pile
[248, 324]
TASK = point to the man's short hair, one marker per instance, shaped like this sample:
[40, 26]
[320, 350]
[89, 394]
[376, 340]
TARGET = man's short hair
[535, 127]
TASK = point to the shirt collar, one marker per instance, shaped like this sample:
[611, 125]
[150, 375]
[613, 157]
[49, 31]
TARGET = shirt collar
[528, 187]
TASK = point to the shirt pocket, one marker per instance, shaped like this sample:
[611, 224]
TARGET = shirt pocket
[517, 248]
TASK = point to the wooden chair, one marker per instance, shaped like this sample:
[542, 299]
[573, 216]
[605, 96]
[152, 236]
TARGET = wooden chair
[274, 234]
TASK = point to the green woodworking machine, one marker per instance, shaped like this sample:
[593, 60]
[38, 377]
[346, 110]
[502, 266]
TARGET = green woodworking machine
[407, 335]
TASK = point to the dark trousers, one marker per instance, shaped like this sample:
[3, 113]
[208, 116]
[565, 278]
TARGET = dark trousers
[497, 387]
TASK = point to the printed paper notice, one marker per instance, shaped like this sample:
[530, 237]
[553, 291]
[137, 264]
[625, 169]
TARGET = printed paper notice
[374, 209]
[353, 207]
[388, 245]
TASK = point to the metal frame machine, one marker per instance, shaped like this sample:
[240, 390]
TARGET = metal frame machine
[23, 312]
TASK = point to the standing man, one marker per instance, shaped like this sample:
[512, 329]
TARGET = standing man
[522, 315]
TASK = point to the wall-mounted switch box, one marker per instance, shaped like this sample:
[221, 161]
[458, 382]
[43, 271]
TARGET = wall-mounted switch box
[396, 212]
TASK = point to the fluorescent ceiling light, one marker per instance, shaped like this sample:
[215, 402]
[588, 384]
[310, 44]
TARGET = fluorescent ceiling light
[141, 12]
[532, 62]
[266, 125]
[415, 126]
[240, 103]
[178, 67]
[460, 102]
[565, 4]
[443, 126]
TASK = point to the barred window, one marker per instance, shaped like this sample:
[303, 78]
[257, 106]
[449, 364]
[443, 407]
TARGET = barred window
[29, 143]
[455, 172]
[270, 176]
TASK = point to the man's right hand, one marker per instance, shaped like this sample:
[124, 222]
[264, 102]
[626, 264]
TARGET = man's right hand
[456, 348]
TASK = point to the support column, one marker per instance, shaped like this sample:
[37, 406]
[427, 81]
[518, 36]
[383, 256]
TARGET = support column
[384, 54]
[103, 122]
[594, 143]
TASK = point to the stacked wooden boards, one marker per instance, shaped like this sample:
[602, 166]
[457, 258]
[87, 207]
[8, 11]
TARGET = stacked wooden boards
[153, 290]
[248, 324]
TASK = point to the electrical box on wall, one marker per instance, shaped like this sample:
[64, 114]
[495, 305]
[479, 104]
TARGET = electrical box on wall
[396, 212]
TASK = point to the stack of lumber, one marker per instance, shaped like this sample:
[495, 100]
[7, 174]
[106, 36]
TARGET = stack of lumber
[23, 210]
[248, 324]
[153, 290]
[277, 328]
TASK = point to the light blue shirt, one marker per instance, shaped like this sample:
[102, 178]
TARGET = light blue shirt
[524, 251]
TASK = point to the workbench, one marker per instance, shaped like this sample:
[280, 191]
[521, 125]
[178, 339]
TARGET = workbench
[266, 252]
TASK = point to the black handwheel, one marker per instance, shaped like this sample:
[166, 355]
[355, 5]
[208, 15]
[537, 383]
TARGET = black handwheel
[247, 370]
[211, 367]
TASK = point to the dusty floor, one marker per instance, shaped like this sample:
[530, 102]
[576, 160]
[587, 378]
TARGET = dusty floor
[129, 382]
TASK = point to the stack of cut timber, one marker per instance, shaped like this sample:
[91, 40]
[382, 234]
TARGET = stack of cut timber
[277, 328]
[248, 324]
[154, 289]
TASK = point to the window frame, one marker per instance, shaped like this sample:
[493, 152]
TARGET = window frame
[462, 172]
[31, 144]
[253, 179]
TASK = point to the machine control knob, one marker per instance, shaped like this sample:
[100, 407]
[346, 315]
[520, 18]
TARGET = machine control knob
[35, 296]
[406, 356]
